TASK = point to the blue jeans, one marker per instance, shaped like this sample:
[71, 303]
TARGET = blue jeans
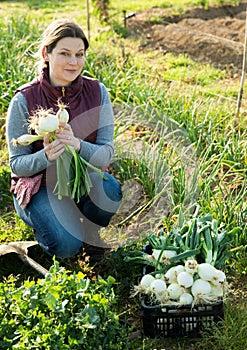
[61, 226]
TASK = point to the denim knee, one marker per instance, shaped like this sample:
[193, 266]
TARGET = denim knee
[106, 193]
[96, 215]
[112, 188]
[103, 201]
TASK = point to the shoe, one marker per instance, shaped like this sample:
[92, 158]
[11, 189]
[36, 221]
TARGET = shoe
[95, 253]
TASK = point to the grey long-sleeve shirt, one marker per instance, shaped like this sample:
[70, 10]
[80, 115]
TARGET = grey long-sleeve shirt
[25, 163]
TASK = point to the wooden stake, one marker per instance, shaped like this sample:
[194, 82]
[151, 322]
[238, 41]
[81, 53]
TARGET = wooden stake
[88, 21]
[240, 94]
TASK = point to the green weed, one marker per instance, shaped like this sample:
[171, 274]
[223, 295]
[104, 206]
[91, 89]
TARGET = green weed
[63, 311]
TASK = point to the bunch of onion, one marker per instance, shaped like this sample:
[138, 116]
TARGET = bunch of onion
[154, 287]
[72, 177]
[187, 284]
[163, 256]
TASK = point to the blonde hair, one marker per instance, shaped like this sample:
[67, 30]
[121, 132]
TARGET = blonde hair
[57, 30]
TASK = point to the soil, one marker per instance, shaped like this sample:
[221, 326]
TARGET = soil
[215, 35]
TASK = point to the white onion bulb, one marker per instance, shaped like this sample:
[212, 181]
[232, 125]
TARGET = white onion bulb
[175, 291]
[48, 123]
[25, 140]
[191, 266]
[185, 299]
[165, 254]
[170, 275]
[200, 288]
[62, 115]
[158, 286]
[185, 279]
[219, 277]
[206, 271]
[146, 282]
[217, 290]
[178, 269]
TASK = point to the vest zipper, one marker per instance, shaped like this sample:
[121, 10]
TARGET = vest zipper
[63, 91]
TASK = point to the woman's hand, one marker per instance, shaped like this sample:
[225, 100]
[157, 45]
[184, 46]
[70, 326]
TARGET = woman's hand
[66, 136]
[53, 149]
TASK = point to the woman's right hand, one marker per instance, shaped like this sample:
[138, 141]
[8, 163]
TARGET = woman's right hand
[53, 149]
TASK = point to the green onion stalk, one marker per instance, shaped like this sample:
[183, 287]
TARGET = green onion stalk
[72, 175]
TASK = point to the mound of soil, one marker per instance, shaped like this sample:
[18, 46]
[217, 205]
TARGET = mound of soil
[215, 35]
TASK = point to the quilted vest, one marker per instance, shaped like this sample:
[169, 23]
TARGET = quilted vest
[82, 98]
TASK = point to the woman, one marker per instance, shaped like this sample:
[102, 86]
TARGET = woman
[61, 226]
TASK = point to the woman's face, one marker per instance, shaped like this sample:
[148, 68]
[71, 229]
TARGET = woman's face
[66, 61]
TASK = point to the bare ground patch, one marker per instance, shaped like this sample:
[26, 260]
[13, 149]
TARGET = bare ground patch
[215, 35]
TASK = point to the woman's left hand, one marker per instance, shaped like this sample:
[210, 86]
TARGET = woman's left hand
[65, 135]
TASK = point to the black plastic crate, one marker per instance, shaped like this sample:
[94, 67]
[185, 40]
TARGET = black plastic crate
[183, 321]
[172, 321]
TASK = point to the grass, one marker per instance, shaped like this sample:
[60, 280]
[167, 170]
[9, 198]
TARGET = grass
[176, 136]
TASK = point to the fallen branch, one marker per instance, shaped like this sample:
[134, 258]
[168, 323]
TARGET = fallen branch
[240, 94]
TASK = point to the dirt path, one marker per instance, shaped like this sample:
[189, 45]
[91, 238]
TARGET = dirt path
[215, 35]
